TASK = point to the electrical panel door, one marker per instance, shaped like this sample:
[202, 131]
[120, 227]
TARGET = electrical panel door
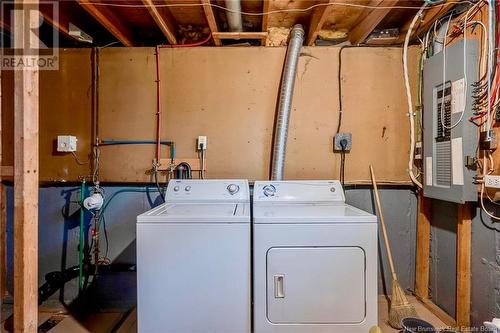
[450, 139]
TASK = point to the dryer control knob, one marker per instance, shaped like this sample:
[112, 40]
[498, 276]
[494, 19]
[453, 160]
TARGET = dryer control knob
[233, 188]
[176, 189]
[187, 188]
[269, 190]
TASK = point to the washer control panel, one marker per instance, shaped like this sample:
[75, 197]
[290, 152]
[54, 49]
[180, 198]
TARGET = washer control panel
[299, 191]
[207, 190]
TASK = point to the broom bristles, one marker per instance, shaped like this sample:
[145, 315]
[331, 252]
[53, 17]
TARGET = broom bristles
[400, 307]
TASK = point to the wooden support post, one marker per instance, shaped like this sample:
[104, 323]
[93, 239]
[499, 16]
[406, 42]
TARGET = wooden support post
[464, 237]
[3, 250]
[25, 184]
[423, 247]
[3, 243]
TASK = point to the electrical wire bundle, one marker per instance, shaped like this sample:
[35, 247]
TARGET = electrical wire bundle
[458, 28]
[485, 92]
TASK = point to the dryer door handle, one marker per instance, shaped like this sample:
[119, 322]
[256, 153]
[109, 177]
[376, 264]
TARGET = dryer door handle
[278, 286]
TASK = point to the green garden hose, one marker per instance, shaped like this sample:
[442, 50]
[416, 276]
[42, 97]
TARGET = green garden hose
[82, 237]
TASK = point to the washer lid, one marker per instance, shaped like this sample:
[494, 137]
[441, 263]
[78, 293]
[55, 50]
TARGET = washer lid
[310, 213]
[197, 213]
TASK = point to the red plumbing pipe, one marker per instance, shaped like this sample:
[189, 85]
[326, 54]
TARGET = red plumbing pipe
[158, 105]
[158, 88]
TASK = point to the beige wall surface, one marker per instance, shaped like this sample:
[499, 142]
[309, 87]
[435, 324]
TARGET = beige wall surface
[65, 109]
[230, 95]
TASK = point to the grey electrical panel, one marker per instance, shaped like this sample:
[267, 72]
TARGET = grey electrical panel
[449, 143]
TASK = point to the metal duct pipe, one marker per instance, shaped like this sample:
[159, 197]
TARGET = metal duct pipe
[285, 101]
[233, 14]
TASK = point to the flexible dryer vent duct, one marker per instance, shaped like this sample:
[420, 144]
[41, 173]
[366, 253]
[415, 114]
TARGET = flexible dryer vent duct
[234, 18]
[285, 101]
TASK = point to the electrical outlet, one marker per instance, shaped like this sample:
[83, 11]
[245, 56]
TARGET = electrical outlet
[201, 143]
[337, 146]
[66, 143]
[492, 181]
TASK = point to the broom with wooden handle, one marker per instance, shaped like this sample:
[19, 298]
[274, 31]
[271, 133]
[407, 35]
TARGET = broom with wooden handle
[400, 307]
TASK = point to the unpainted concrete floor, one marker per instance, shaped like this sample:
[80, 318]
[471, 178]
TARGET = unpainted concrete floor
[126, 322]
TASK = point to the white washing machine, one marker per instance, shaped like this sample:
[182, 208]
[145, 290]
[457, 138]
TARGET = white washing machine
[193, 259]
[315, 259]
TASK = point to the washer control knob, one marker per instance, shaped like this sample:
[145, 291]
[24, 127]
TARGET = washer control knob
[332, 189]
[187, 188]
[233, 188]
[176, 189]
[269, 190]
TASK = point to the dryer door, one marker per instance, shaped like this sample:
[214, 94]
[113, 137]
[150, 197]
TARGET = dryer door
[316, 285]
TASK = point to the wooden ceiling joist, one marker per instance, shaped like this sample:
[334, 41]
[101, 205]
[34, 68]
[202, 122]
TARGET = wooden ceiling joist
[430, 16]
[212, 23]
[370, 21]
[164, 20]
[265, 8]
[60, 23]
[110, 21]
[318, 18]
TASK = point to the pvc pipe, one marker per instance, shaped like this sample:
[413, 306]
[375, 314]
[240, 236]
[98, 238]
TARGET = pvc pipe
[285, 101]
[233, 14]
[140, 142]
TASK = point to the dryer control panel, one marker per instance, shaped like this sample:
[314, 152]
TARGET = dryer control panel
[298, 191]
[207, 190]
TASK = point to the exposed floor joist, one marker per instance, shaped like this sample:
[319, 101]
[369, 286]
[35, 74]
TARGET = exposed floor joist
[212, 22]
[106, 17]
[61, 23]
[318, 18]
[364, 28]
[430, 16]
[164, 20]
